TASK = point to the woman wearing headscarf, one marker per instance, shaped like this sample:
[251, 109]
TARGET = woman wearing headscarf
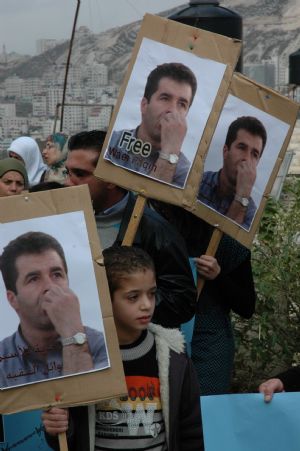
[13, 177]
[55, 155]
[27, 150]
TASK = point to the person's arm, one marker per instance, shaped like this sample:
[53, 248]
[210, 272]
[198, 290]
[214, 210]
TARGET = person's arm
[56, 420]
[269, 387]
[236, 288]
[77, 430]
[286, 381]
[176, 294]
[62, 307]
[190, 427]
[173, 131]
[207, 267]
[246, 176]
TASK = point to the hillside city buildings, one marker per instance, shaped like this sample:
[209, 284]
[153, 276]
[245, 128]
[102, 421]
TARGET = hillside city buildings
[30, 106]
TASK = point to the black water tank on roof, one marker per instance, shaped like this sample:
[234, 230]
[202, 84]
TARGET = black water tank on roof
[210, 16]
[294, 68]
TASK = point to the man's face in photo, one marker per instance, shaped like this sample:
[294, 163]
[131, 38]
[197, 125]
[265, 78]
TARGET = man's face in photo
[36, 274]
[245, 148]
[171, 96]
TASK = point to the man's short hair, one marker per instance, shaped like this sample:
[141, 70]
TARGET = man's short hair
[91, 140]
[30, 243]
[121, 261]
[249, 123]
[176, 71]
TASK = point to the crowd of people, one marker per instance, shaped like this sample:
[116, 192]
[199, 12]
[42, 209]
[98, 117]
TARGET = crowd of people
[153, 293]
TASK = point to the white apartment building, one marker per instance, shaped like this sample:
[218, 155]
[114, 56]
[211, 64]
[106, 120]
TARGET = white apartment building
[77, 93]
[7, 110]
[31, 86]
[14, 126]
[74, 75]
[75, 118]
[13, 86]
[39, 105]
[42, 45]
[107, 99]
[48, 127]
[113, 90]
[97, 75]
[4, 145]
[54, 96]
[99, 118]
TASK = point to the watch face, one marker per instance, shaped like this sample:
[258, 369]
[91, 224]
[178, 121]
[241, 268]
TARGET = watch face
[173, 158]
[80, 338]
[245, 202]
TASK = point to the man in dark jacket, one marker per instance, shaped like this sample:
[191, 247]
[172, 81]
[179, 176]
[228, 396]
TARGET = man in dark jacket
[113, 206]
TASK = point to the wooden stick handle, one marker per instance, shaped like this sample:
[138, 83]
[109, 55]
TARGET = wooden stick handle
[133, 224]
[211, 250]
[62, 439]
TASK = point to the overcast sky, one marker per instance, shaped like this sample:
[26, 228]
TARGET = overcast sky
[22, 22]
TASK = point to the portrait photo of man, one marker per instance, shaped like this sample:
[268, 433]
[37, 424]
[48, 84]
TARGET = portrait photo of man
[51, 339]
[240, 160]
[228, 190]
[154, 147]
[161, 141]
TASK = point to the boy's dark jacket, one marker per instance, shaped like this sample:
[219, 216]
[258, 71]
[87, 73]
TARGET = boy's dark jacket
[179, 397]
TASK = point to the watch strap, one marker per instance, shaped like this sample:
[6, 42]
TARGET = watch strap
[244, 201]
[171, 158]
[77, 339]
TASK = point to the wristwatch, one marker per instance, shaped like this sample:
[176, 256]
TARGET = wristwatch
[171, 158]
[77, 339]
[244, 201]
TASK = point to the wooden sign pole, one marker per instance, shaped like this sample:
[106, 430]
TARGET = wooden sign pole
[135, 219]
[211, 250]
[62, 439]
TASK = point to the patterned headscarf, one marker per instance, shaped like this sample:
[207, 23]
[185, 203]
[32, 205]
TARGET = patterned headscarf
[60, 141]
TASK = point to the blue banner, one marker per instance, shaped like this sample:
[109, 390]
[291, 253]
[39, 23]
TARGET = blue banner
[22, 432]
[247, 423]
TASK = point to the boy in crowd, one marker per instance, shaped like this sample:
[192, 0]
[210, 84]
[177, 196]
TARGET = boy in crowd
[162, 410]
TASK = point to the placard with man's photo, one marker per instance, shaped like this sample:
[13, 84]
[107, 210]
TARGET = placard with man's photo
[57, 331]
[176, 77]
[244, 156]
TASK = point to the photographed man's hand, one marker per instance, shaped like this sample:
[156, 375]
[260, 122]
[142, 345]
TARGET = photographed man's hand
[246, 176]
[245, 179]
[173, 131]
[62, 307]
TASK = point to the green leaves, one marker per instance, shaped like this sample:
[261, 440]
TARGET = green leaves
[270, 341]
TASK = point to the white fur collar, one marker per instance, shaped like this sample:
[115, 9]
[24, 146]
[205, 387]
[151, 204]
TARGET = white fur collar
[173, 337]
